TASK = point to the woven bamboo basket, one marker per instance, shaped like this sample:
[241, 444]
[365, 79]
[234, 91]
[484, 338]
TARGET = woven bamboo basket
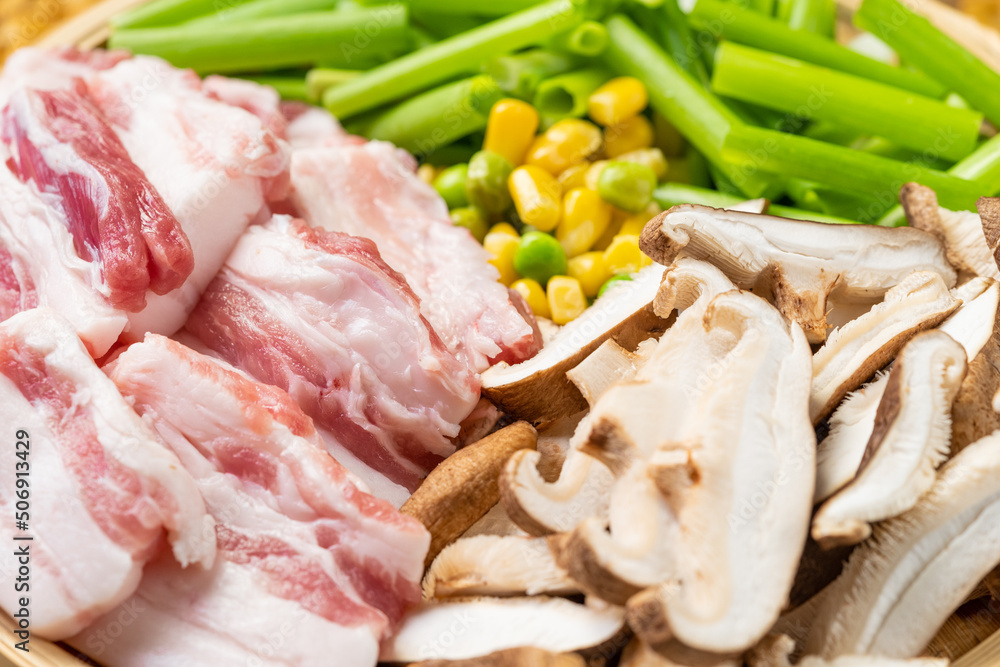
[970, 637]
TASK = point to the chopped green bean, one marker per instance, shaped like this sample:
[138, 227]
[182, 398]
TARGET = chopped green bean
[167, 12]
[589, 39]
[672, 194]
[519, 74]
[453, 56]
[259, 9]
[271, 43]
[816, 16]
[319, 79]
[724, 19]
[438, 117]
[982, 166]
[922, 45]
[794, 86]
[566, 95]
[465, 8]
[696, 113]
[289, 87]
[841, 168]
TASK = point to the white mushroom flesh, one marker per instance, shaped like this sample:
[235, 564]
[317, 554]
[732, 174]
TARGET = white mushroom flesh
[901, 585]
[714, 494]
[497, 566]
[854, 352]
[840, 453]
[910, 439]
[798, 264]
[473, 628]
[607, 365]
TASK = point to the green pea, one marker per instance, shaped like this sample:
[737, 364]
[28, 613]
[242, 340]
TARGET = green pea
[472, 219]
[611, 282]
[486, 182]
[539, 257]
[627, 185]
[450, 184]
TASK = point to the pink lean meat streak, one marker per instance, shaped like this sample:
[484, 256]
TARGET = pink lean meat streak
[299, 542]
[321, 315]
[105, 491]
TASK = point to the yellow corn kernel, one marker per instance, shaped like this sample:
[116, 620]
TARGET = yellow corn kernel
[510, 130]
[503, 228]
[593, 174]
[623, 255]
[568, 142]
[502, 246]
[617, 219]
[627, 136]
[573, 177]
[651, 157]
[427, 173]
[585, 216]
[590, 269]
[617, 101]
[537, 196]
[534, 294]
[566, 299]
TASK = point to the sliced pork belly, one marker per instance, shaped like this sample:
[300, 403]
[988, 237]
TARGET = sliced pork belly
[292, 523]
[371, 190]
[42, 251]
[215, 165]
[225, 616]
[60, 143]
[320, 315]
[104, 490]
[51, 69]
[262, 101]
[17, 289]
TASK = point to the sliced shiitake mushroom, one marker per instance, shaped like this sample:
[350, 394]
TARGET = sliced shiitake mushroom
[901, 585]
[909, 440]
[476, 627]
[799, 265]
[538, 390]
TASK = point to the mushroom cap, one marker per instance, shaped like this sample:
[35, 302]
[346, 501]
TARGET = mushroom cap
[909, 440]
[900, 586]
[798, 264]
[538, 390]
[854, 352]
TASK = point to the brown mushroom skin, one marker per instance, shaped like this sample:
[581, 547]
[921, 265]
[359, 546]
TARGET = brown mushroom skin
[989, 211]
[464, 486]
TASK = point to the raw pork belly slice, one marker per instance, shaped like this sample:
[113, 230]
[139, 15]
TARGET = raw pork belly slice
[215, 165]
[103, 488]
[60, 143]
[291, 521]
[17, 290]
[320, 315]
[371, 190]
[51, 69]
[38, 239]
[225, 616]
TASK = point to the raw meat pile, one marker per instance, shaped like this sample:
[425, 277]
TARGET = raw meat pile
[238, 338]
